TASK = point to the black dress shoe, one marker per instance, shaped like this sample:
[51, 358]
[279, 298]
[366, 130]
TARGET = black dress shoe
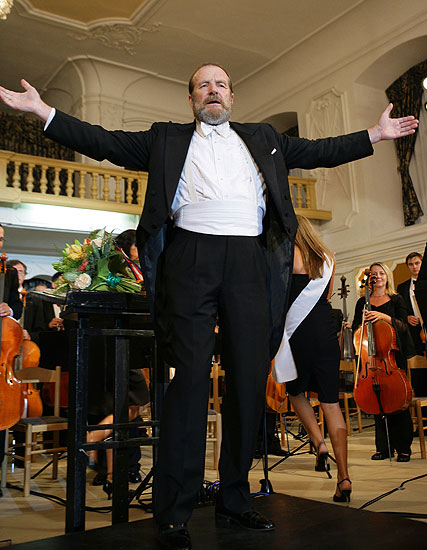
[174, 537]
[135, 477]
[381, 456]
[403, 457]
[247, 520]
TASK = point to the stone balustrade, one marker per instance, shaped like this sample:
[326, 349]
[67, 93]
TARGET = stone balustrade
[31, 179]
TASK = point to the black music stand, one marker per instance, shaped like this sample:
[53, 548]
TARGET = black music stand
[91, 309]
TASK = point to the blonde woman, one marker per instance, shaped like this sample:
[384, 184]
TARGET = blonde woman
[315, 351]
[389, 306]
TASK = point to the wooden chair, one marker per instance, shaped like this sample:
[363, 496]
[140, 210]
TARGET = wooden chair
[345, 396]
[37, 425]
[214, 433]
[418, 362]
[217, 373]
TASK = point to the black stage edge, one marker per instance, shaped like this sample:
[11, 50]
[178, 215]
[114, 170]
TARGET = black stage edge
[301, 525]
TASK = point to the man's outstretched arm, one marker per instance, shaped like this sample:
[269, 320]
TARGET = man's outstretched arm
[392, 128]
[27, 102]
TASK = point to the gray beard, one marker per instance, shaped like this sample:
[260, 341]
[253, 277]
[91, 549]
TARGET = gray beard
[214, 118]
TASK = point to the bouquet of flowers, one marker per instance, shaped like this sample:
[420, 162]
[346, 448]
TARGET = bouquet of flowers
[96, 264]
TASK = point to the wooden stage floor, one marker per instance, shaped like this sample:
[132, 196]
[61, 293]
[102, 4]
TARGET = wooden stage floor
[301, 524]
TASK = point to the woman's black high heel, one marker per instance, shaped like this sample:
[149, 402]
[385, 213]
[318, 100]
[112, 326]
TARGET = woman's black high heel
[344, 495]
[108, 488]
[322, 462]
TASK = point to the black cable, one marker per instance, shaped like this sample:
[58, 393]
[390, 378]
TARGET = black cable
[376, 499]
[412, 515]
[62, 502]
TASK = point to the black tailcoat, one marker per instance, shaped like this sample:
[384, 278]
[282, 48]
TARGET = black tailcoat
[162, 150]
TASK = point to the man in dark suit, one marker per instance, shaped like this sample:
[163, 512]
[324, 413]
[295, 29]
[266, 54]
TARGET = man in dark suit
[215, 239]
[406, 290]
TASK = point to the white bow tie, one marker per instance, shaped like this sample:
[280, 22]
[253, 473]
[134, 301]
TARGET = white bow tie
[221, 129]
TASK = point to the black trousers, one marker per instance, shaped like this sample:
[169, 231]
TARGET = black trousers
[400, 429]
[201, 278]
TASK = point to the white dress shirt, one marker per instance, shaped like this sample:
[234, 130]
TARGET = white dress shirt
[221, 190]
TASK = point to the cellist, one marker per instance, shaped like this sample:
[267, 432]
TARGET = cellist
[11, 306]
[389, 306]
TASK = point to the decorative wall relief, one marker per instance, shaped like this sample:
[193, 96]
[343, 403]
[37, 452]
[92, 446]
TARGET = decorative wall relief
[111, 115]
[335, 186]
[118, 36]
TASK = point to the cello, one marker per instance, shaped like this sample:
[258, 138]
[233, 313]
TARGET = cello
[29, 357]
[380, 387]
[346, 337]
[11, 336]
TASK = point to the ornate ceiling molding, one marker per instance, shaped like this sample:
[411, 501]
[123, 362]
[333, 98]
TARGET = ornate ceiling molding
[118, 36]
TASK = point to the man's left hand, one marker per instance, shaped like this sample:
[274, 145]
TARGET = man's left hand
[392, 128]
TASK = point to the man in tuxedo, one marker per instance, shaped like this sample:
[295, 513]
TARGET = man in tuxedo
[10, 306]
[406, 290]
[215, 240]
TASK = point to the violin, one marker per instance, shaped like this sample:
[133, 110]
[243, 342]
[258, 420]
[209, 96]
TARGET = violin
[11, 337]
[346, 336]
[381, 387]
[29, 357]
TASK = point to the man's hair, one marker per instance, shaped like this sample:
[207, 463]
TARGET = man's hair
[56, 276]
[126, 239]
[413, 255]
[13, 263]
[191, 83]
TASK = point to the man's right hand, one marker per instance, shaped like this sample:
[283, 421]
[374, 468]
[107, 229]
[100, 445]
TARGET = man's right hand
[412, 320]
[27, 102]
[57, 323]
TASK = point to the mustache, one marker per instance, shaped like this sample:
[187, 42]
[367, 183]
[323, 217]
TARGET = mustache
[213, 97]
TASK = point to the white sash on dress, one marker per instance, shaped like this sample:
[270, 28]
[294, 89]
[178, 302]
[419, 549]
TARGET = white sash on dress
[284, 368]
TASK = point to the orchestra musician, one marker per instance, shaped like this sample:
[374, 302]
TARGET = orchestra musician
[389, 306]
[212, 244]
[406, 290]
[315, 351]
[11, 306]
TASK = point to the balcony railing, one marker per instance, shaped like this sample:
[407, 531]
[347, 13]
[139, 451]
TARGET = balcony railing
[30, 179]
